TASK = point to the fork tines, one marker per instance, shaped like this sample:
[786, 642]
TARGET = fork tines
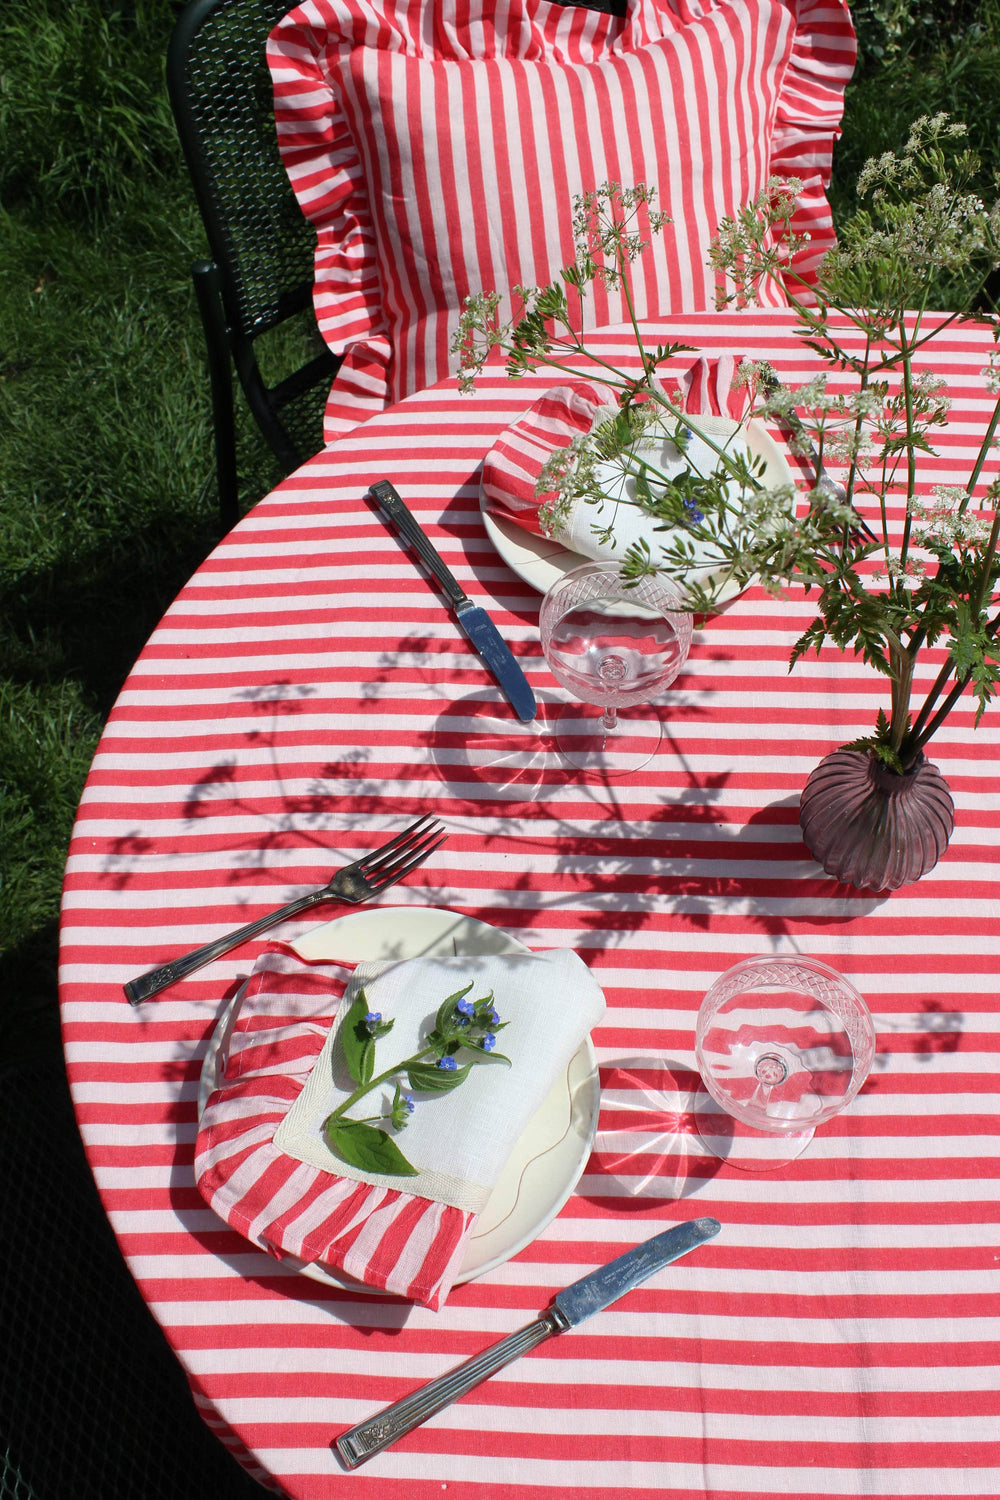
[403, 853]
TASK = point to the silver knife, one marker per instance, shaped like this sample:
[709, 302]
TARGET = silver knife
[476, 623]
[588, 1295]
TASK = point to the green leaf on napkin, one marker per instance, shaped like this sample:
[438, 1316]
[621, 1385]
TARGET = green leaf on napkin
[482, 1056]
[366, 1147]
[358, 1042]
[429, 1078]
[447, 1010]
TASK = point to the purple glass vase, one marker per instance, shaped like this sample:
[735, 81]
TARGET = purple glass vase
[872, 828]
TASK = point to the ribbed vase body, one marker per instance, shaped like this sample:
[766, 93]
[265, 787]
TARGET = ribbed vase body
[872, 828]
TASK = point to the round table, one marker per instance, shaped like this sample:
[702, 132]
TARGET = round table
[309, 693]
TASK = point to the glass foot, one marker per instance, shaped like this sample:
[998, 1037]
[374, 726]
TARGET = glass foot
[741, 1146]
[496, 747]
[583, 740]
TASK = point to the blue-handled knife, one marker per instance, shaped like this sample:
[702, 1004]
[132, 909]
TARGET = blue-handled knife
[588, 1295]
[476, 623]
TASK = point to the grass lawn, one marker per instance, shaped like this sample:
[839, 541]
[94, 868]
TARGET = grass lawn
[107, 500]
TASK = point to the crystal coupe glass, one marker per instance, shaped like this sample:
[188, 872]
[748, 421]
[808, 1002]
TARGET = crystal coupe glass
[782, 1045]
[613, 646]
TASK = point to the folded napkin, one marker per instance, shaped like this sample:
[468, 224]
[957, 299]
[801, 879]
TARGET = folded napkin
[261, 1161]
[513, 466]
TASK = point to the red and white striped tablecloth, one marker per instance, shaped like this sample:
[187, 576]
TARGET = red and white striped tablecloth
[307, 694]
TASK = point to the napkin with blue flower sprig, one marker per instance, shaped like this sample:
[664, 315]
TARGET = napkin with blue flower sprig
[274, 1155]
[512, 484]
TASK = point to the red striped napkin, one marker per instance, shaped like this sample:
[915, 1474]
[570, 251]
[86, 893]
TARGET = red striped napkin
[260, 1159]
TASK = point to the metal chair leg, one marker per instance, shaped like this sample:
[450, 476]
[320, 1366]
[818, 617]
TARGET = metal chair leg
[207, 286]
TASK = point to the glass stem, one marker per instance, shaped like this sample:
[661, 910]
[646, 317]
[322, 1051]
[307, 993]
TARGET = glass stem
[609, 723]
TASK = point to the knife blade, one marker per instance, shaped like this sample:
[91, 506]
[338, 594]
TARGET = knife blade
[474, 620]
[569, 1307]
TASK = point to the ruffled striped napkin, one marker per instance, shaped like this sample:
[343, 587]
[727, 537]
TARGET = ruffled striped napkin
[261, 1161]
[513, 466]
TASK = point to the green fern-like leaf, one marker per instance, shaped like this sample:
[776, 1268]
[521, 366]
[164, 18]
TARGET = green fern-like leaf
[810, 639]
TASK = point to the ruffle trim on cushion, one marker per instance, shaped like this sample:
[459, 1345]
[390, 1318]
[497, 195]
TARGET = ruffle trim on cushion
[390, 1240]
[328, 181]
[532, 30]
[808, 125]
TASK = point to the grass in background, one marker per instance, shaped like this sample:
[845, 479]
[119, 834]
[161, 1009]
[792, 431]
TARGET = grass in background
[107, 497]
[107, 501]
[917, 57]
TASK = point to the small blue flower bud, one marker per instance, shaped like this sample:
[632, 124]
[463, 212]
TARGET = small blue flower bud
[465, 1007]
[493, 1017]
[408, 1103]
[489, 1042]
[447, 1063]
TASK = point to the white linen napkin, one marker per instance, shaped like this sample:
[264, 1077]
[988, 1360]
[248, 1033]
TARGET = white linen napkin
[604, 530]
[458, 1141]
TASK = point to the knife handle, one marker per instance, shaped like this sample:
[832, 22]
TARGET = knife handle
[382, 1430]
[394, 507]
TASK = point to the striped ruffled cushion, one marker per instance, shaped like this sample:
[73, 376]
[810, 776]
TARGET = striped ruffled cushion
[437, 148]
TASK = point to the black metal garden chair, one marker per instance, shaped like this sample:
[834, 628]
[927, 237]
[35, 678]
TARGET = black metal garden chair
[261, 271]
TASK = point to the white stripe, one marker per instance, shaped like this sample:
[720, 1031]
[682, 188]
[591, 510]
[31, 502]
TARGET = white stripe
[583, 1421]
[615, 1324]
[616, 1477]
[659, 1373]
[785, 1195]
[818, 1284]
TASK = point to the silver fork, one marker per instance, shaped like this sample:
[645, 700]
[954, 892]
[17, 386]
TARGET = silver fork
[354, 883]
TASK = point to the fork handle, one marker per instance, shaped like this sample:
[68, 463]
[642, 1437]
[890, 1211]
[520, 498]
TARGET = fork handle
[158, 979]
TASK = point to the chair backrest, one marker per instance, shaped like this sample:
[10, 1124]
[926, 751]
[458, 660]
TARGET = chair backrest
[220, 90]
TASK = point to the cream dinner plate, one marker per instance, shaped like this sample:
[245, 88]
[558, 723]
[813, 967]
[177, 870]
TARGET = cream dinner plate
[548, 1160]
[540, 560]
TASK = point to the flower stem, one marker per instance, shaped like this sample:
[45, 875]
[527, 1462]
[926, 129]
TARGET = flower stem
[932, 696]
[957, 690]
[985, 569]
[901, 682]
[373, 1083]
[981, 457]
[911, 455]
